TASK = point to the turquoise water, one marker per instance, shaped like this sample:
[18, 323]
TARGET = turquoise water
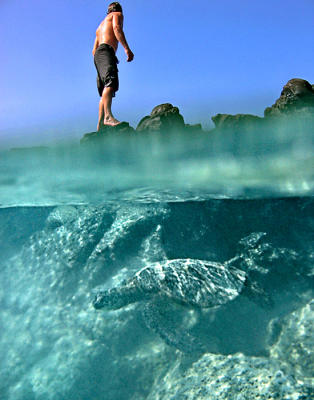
[79, 220]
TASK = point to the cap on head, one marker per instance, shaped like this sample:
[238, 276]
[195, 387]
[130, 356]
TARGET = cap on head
[114, 7]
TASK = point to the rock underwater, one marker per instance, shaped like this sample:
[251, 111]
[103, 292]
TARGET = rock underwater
[54, 345]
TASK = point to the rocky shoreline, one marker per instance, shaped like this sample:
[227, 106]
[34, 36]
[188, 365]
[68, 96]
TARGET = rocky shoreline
[296, 100]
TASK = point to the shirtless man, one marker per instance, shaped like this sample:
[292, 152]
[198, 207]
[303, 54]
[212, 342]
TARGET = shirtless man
[108, 35]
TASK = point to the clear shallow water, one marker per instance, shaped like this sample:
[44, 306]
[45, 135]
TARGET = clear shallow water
[74, 219]
[153, 168]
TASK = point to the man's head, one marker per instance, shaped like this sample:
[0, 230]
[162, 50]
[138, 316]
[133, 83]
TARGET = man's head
[114, 7]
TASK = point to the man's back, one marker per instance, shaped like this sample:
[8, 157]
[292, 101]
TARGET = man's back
[105, 32]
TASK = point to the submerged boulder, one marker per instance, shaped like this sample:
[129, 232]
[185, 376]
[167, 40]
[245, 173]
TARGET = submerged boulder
[296, 342]
[235, 377]
[164, 117]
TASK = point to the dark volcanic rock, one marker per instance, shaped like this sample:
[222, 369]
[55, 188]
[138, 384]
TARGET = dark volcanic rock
[297, 95]
[236, 122]
[106, 130]
[193, 128]
[164, 117]
[296, 100]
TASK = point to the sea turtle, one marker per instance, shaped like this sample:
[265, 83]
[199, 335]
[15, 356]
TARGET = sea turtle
[189, 282]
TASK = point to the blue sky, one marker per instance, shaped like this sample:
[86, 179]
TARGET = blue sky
[204, 56]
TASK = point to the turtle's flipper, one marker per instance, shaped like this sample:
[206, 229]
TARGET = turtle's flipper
[159, 322]
[257, 294]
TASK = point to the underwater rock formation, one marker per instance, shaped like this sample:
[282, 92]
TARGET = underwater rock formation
[287, 374]
[295, 343]
[51, 337]
[55, 346]
[236, 377]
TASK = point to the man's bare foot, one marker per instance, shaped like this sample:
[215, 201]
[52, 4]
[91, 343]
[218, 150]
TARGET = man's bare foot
[111, 122]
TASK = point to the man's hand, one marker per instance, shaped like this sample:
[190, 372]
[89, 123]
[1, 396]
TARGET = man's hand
[117, 25]
[129, 55]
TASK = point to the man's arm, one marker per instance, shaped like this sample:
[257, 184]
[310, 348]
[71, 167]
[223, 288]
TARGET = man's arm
[117, 25]
[96, 44]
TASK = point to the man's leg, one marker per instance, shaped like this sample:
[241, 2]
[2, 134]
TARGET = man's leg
[100, 113]
[106, 100]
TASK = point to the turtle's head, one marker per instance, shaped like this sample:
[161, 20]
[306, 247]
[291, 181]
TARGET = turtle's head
[116, 298]
[108, 299]
[100, 300]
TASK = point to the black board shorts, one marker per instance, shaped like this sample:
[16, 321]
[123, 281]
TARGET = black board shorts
[107, 71]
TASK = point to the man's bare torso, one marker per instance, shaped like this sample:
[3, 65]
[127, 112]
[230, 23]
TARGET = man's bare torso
[110, 32]
[105, 32]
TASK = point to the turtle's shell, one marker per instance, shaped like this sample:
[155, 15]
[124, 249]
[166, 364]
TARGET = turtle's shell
[195, 282]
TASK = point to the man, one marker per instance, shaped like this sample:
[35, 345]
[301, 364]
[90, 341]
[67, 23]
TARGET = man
[108, 35]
